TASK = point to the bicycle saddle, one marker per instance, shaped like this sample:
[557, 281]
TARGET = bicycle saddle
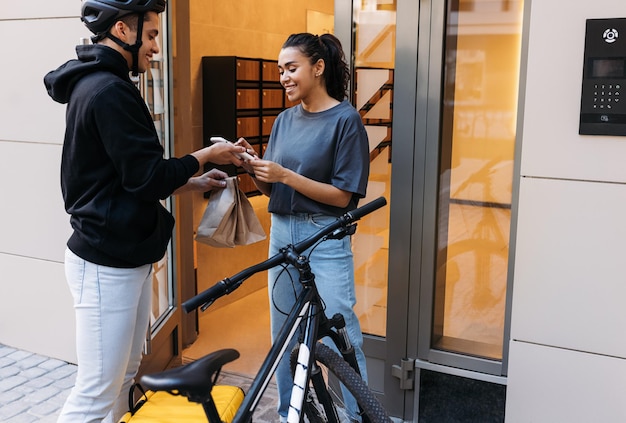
[193, 380]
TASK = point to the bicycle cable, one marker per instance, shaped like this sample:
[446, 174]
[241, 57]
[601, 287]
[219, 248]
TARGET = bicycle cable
[285, 268]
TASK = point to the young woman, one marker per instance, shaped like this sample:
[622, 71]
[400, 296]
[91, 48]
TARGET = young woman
[315, 169]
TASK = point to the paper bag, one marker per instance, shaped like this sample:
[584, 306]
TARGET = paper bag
[229, 218]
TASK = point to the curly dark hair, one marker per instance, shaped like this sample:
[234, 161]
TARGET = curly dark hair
[328, 48]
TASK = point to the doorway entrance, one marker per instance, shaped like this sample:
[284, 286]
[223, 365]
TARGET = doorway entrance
[455, 83]
[241, 320]
[436, 84]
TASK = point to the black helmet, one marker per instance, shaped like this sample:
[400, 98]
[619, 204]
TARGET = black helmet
[100, 15]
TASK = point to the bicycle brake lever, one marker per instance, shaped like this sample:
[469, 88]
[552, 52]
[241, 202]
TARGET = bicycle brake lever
[206, 305]
[342, 231]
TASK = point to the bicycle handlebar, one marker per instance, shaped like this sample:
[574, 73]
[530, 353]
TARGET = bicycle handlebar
[228, 285]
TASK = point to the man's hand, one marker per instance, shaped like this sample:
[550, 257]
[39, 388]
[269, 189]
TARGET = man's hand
[214, 178]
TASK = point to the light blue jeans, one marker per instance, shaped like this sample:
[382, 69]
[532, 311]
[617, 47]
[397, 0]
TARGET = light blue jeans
[333, 266]
[112, 307]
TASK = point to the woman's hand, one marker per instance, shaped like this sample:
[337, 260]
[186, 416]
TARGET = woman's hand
[214, 178]
[267, 171]
[241, 142]
[250, 166]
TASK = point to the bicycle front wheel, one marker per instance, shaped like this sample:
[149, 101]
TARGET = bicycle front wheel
[324, 400]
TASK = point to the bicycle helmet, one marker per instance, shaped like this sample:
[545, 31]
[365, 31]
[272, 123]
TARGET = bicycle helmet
[100, 15]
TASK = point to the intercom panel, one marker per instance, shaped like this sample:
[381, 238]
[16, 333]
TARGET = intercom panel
[603, 100]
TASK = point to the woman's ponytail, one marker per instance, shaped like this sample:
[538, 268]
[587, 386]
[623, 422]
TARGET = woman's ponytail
[337, 71]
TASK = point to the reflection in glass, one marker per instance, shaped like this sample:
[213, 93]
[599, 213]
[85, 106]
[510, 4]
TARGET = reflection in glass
[374, 56]
[482, 54]
[152, 86]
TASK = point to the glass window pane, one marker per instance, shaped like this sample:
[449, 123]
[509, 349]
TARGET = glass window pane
[482, 54]
[152, 85]
[372, 78]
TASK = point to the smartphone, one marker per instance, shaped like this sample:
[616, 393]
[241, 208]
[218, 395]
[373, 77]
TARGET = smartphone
[242, 156]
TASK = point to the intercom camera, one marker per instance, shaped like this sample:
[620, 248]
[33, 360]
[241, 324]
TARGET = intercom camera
[603, 103]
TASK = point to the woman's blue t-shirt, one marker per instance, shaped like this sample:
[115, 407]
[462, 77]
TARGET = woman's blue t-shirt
[329, 146]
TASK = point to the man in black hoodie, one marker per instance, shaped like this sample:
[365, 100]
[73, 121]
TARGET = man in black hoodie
[113, 176]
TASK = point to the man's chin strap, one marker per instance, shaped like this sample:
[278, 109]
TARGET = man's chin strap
[134, 49]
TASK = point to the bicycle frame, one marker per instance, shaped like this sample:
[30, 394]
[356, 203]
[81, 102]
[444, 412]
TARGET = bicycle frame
[307, 308]
[303, 309]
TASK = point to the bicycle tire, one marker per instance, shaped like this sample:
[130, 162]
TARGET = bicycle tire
[371, 408]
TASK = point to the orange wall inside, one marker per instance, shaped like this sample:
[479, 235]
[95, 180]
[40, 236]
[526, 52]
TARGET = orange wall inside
[245, 28]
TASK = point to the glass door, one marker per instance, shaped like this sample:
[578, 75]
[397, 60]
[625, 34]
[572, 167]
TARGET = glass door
[162, 337]
[372, 88]
[156, 97]
[481, 61]
[437, 84]
[367, 29]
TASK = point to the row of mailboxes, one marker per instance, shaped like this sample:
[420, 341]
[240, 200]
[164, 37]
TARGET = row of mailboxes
[241, 97]
[253, 98]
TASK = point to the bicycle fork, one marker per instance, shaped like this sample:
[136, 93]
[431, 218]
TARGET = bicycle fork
[318, 326]
[340, 339]
[305, 349]
[307, 369]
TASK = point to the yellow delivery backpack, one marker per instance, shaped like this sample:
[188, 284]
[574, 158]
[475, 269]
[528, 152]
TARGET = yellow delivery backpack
[166, 398]
[164, 407]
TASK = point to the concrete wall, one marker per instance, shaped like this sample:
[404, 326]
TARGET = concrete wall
[36, 312]
[567, 356]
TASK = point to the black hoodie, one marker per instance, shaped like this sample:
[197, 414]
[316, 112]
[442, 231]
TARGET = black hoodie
[113, 173]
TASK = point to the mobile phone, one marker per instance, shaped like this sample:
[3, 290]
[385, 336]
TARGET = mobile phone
[242, 156]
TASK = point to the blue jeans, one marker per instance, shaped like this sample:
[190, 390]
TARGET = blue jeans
[112, 309]
[333, 266]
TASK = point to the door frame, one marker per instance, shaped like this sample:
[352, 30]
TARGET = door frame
[407, 193]
[433, 27]
[417, 111]
[176, 329]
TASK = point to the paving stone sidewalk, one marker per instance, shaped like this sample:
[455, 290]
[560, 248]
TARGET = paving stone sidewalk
[33, 388]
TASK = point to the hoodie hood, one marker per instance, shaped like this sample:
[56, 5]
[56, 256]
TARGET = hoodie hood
[91, 58]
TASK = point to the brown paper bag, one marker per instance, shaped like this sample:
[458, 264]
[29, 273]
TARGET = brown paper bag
[229, 218]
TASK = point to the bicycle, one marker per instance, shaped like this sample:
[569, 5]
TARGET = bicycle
[313, 363]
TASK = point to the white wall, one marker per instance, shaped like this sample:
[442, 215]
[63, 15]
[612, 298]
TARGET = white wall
[36, 313]
[567, 358]
[568, 352]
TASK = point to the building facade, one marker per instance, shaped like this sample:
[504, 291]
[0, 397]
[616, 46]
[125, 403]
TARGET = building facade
[561, 276]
